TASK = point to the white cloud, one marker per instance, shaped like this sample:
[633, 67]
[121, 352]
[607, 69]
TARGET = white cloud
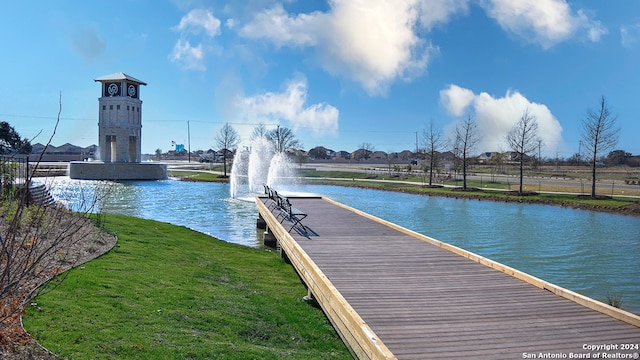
[198, 20]
[456, 99]
[372, 42]
[378, 42]
[495, 116]
[439, 12]
[629, 35]
[192, 57]
[289, 105]
[230, 23]
[283, 29]
[546, 22]
[189, 57]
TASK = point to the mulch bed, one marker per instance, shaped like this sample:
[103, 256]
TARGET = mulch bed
[75, 240]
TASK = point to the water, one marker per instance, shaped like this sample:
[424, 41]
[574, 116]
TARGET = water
[204, 207]
[595, 254]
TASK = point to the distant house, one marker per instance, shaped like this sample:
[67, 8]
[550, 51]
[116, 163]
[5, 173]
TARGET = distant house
[341, 155]
[66, 152]
[486, 157]
[447, 160]
[513, 156]
[495, 156]
[379, 155]
[406, 155]
[633, 161]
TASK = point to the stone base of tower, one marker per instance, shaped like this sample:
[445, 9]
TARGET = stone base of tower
[97, 170]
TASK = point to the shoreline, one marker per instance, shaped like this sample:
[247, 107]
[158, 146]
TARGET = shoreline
[483, 195]
[566, 200]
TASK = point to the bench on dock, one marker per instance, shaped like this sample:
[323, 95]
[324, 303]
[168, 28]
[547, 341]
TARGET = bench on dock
[287, 211]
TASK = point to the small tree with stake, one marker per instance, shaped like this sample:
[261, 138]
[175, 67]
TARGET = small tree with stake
[466, 138]
[523, 140]
[600, 134]
[227, 139]
[433, 142]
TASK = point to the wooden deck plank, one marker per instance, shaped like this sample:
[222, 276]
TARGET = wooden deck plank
[425, 299]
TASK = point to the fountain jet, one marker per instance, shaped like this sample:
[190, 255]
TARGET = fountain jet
[259, 164]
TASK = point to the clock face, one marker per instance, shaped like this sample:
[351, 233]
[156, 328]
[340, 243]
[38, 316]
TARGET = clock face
[113, 89]
[131, 90]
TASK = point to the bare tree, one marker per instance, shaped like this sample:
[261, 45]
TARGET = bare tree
[260, 131]
[391, 157]
[433, 142]
[227, 139]
[600, 134]
[364, 151]
[283, 139]
[466, 138]
[523, 140]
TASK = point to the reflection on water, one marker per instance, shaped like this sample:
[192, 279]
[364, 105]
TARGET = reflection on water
[595, 254]
[204, 207]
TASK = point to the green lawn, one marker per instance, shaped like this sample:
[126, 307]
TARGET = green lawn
[198, 176]
[166, 292]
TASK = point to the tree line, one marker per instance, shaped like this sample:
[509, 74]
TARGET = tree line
[599, 134]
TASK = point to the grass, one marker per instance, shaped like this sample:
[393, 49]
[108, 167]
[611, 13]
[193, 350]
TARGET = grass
[198, 176]
[485, 183]
[166, 292]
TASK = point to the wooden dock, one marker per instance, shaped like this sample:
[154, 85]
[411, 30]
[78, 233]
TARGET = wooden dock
[394, 294]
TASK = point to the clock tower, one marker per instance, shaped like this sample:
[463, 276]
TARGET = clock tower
[120, 119]
[119, 135]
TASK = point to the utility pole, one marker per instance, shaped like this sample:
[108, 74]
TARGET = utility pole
[189, 140]
[580, 152]
[539, 152]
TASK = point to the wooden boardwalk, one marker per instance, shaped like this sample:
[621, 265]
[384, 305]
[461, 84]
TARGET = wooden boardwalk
[392, 293]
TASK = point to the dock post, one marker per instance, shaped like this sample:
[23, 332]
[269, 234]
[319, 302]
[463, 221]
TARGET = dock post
[261, 223]
[270, 240]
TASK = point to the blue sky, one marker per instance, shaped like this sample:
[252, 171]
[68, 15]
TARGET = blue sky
[339, 73]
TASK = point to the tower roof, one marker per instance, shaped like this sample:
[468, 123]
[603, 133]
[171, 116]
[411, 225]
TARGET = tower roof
[120, 76]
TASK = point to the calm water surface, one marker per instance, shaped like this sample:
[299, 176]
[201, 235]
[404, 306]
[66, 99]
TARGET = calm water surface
[595, 254]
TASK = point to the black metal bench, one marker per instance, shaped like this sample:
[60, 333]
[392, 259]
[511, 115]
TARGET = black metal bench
[287, 211]
[273, 195]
